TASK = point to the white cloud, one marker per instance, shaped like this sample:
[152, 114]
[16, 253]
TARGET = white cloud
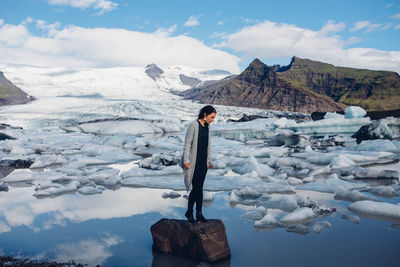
[74, 46]
[192, 21]
[397, 27]
[221, 22]
[101, 5]
[365, 25]
[1, 22]
[269, 40]
[397, 16]
[331, 27]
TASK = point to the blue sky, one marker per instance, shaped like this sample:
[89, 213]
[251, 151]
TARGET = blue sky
[224, 34]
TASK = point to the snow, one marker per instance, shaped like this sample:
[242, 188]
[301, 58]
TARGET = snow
[376, 209]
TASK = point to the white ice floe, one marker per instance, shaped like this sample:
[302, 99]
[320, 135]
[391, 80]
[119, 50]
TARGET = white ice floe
[262, 170]
[91, 189]
[370, 173]
[376, 209]
[377, 145]
[56, 189]
[342, 161]
[330, 126]
[383, 190]
[20, 175]
[255, 214]
[354, 112]
[319, 226]
[351, 195]
[299, 215]
[334, 115]
[207, 196]
[268, 221]
[286, 203]
[330, 184]
[48, 160]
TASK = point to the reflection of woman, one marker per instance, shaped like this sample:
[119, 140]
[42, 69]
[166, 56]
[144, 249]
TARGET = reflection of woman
[196, 159]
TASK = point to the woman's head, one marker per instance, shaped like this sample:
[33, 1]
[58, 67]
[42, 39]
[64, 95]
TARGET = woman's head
[207, 113]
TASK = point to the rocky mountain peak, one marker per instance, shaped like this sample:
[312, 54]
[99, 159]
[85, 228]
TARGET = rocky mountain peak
[153, 71]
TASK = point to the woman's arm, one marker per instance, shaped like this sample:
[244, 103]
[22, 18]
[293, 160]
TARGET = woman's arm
[188, 144]
[209, 163]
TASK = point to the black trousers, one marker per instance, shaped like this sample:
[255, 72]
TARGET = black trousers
[196, 195]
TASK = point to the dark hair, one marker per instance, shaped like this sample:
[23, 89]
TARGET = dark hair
[208, 110]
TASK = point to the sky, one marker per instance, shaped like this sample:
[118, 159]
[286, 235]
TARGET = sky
[203, 34]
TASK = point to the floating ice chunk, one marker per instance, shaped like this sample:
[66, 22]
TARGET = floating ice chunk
[298, 228]
[20, 175]
[172, 194]
[286, 203]
[254, 214]
[262, 170]
[351, 218]
[91, 189]
[376, 209]
[354, 112]
[299, 215]
[136, 172]
[280, 122]
[294, 181]
[342, 161]
[271, 188]
[319, 226]
[384, 191]
[117, 156]
[48, 160]
[56, 189]
[330, 115]
[207, 196]
[351, 195]
[330, 184]
[377, 145]
[268, 221]
[248, 192]
[370, 173]
[308, 149]
[235, 199]
[308, 179]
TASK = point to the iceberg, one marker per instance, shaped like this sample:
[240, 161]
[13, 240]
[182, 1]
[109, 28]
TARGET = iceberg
[330, 184]
[299, 215]
[286, 203]
[383, 191]
[351, 195]
[376, 209]
[354, 112]
[255, 214]
[268, 221]
[91, 189]
[20, 176]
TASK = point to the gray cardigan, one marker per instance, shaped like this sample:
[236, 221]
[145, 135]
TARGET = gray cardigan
[190, 152]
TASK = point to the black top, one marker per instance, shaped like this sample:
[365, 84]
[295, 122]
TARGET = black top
[202, 145]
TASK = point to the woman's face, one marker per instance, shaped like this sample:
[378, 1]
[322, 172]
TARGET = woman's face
[210, 117]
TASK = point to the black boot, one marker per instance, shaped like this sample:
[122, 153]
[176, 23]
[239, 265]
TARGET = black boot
[189, 216]
[200, 217]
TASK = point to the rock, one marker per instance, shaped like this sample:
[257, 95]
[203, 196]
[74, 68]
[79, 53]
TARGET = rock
[16, 164]
[153, 71]
[203, 241]
[3, 187]
[388, 128]
[282, 139]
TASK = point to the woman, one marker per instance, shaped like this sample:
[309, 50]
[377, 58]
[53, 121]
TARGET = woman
[196, 159]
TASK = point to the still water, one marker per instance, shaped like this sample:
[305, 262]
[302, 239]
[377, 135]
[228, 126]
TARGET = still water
[113, 229]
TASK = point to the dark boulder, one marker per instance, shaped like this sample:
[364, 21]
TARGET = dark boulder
[202, 241]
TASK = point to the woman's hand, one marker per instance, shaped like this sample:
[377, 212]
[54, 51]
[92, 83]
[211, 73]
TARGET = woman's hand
[211, 166]
[186, 165]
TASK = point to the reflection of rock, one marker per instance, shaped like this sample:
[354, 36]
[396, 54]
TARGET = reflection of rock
[167, 260]
[203, 241]
[388, 128]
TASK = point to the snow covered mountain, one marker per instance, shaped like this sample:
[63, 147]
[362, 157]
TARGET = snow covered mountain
[141, 83]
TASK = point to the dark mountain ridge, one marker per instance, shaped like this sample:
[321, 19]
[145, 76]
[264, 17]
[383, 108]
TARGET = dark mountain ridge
[11, 94]
[303, 86]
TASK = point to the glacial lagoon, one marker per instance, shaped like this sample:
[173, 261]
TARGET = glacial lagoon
[91, 197]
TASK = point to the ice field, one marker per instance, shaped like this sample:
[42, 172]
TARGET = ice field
[101, 163]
